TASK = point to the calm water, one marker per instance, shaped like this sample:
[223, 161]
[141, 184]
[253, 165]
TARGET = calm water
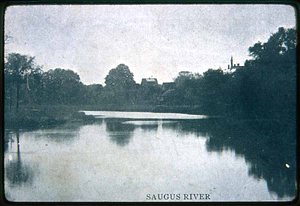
[124, 159]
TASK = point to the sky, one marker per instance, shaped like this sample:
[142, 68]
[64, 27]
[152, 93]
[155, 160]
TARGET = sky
[152, 40]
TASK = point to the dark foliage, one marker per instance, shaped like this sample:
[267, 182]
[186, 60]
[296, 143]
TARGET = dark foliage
[265, 88]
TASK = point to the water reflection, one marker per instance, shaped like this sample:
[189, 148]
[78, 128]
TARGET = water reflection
[270, 153]
[150, 127]
[198, 127]
[144, 124]
[60, 134]
[15, 171]
[186, 127]
[7, 139]
[118, 132]
[175, 126]
[166, 145]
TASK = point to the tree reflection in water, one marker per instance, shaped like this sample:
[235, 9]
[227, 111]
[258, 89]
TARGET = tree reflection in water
[149, 127]
[119, 133]
[15, 171]
[270, 152]
[185, 127]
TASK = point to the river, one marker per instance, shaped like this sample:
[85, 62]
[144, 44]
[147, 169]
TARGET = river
[126, 156]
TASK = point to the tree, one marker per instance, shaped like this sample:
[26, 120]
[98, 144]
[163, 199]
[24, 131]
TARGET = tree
[119, 78]
[119, 85]
[16, 68]
[61, 86]
[32, 86]
[268, 84]
[215, 91]
[187, 86]
[92, 94]
[214, 78]
[277, 51]
[184, 77]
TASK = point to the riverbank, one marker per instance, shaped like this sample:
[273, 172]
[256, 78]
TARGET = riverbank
[43, 116]
[50, 115]
[184, 109]
[38, 116]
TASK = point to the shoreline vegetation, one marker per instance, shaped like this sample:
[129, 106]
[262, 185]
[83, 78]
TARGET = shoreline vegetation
[54, 115]
[47, 116]
[261, 91]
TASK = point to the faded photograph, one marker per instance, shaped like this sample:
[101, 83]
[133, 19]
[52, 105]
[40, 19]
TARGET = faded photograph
[150, 103]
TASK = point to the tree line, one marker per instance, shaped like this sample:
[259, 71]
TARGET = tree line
[264, 88]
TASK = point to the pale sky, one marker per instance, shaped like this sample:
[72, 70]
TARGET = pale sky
[152, 40]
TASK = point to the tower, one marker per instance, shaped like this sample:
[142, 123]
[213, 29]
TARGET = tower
[231, 62]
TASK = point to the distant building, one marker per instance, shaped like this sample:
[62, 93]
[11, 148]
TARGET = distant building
[185, 73]
[149, 81]
[168, 85]
[233, 66]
